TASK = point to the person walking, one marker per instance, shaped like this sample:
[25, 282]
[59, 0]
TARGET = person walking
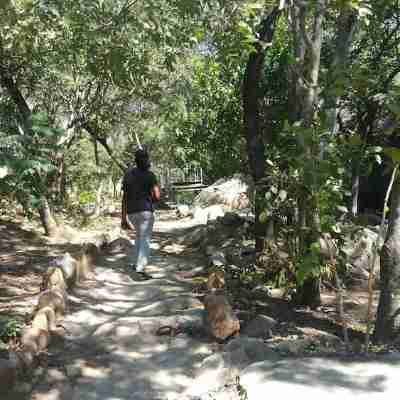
[140, 192]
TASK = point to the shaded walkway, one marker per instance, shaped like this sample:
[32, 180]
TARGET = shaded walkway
[111, 350]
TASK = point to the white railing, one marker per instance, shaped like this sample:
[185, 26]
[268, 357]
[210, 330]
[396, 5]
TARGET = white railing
[189, 175]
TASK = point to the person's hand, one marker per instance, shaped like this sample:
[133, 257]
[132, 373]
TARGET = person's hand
[124, 225]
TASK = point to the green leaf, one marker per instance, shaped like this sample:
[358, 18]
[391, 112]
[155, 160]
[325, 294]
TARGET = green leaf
[355, 140]
[393, 153]
[264, 217]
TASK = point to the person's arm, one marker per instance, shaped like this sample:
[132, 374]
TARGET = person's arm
[155, 189]
[155, 193]
[124, 207]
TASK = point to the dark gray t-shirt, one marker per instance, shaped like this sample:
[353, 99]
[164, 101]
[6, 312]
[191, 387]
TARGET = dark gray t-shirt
[137, 185]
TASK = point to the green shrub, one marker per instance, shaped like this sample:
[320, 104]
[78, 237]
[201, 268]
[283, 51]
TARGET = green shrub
[87, 198]
[185, 197]
[10, 328]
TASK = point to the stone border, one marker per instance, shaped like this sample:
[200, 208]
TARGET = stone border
[61, 275]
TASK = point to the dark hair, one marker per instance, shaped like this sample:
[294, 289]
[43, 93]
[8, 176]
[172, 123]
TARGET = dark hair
[142, 159]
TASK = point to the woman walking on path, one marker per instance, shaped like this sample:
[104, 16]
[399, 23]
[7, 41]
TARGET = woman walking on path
[141, 190]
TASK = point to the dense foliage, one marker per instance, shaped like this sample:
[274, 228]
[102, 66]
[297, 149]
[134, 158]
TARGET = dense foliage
[301, 95]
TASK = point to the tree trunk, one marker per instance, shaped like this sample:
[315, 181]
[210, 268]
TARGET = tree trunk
[251, 112]
[62, 185]
[308, 87]
[355, 188]
[388, 316]
[346, 27]
[99, 190]
[56, 181]
[46, 218]
[309, 293]
[8, 82]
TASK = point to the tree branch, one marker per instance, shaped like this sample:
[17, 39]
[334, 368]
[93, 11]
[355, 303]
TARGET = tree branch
[303, 30]
[93, 133]
[11, 87]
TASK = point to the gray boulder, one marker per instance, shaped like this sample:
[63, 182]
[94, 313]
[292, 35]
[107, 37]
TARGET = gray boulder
[255, 349]
[261, 327]
[217, 259]
[359, 253]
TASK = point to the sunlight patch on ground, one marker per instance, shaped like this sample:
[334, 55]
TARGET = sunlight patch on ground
[168, 379]
[115, 258]
[174, 248]
[95, 372]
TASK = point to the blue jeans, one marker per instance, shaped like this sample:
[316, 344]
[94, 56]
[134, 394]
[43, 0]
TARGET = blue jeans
[143, 223]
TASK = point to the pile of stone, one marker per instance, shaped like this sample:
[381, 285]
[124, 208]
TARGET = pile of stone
[358, 251]
[235, 193]
[226, 194]
[228, 239]
[245, 341]
[62, 275]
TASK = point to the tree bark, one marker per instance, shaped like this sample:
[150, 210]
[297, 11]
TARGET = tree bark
[93, 132]
[8, 82]
[355, 181]
[295, 88]
[251, 116]
[46, 218]
[308, 294]
[347, 23]
[388, 316]
[99, 190]
[355, 191]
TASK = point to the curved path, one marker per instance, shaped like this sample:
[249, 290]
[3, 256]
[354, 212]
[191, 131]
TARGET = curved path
[111, 350]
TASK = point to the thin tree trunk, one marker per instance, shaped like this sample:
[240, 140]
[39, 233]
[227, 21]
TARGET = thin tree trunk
[347, 23]
[308, 293]
[296, 87]
[8, 82]
[99, 190]
[62, 187]
[388, 316]
[355, 189]
[251, 112]
[46, 218]
[99, 193]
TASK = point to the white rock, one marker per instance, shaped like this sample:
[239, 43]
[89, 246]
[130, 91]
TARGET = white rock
[215, 211]
[67, 264]
[215, 372]
[233, 192]
[359, 250]
[183, 211]
[200, 216]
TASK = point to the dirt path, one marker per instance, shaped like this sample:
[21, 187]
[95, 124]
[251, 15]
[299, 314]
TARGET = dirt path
[111, 350]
